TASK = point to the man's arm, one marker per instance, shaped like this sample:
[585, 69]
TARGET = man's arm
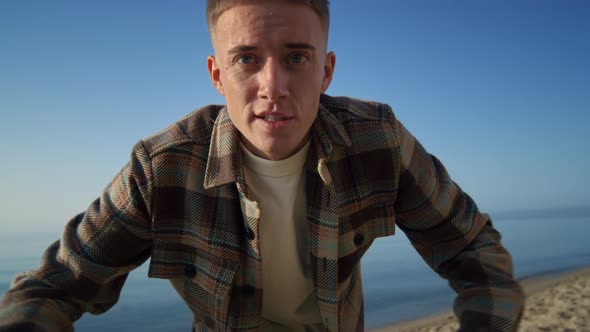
[456, 240]
[85, 270]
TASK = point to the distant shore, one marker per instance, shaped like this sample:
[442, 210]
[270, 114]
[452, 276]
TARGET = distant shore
[556, 302]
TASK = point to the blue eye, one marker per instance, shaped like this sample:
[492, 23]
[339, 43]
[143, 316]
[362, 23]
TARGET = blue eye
[297, 58]
[246, 59]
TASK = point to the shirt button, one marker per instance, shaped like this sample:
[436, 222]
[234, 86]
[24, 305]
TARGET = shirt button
[358, 239]
[190, 271]
[249, 234]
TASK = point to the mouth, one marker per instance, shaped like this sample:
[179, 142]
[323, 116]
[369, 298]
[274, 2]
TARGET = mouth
[274, 120]
[273, 117]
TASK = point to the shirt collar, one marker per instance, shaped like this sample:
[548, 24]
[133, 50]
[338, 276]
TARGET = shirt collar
[224, 162]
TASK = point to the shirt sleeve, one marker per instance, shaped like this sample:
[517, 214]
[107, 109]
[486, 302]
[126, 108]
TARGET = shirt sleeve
[456, 240]
[85, 270]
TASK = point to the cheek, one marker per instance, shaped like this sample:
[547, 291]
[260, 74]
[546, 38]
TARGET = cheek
[314, 80]
[240, 89]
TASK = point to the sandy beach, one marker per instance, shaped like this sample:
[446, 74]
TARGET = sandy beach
[554, 303]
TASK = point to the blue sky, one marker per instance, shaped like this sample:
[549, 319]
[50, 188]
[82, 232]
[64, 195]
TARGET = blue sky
[498, 90]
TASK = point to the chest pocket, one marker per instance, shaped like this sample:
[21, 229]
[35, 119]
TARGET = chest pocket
[205, 285]
[358, 230]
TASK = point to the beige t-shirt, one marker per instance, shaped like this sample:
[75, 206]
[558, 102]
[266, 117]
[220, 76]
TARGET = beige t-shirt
[289, 297]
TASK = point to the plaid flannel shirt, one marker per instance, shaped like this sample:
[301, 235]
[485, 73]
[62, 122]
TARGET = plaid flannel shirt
[178, 202]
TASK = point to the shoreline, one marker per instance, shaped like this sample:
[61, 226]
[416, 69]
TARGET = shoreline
[540, 292]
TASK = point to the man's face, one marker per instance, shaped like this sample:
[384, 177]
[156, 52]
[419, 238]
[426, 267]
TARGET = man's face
[271, 65]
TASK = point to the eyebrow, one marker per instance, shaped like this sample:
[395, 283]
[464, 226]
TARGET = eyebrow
[249, 48]
[241, 49]
[301, 46]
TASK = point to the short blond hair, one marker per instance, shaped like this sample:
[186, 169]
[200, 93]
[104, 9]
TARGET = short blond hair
[216, 7]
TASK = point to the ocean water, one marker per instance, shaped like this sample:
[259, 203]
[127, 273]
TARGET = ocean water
[398, 285]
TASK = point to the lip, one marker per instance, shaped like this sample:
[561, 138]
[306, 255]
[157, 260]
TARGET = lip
[273, 113]
[273, 125]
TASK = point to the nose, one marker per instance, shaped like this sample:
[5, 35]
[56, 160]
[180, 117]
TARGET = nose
[273, 81]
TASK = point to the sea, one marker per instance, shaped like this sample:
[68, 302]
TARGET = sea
[398, 285]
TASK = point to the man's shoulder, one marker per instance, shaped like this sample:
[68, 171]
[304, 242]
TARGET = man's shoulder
[348, 107]
[193, 129]
[358, 123]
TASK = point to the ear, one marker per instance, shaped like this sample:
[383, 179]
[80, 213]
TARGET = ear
[214, 74]
[329, 66]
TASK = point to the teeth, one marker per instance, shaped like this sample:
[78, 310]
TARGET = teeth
[273, 118]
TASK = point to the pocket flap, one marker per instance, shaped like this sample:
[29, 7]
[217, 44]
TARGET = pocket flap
[211, 275]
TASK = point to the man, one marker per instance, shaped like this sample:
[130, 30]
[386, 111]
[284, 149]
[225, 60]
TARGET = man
[260, 211]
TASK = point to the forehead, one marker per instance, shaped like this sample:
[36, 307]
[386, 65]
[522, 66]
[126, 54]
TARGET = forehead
[270, 23]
